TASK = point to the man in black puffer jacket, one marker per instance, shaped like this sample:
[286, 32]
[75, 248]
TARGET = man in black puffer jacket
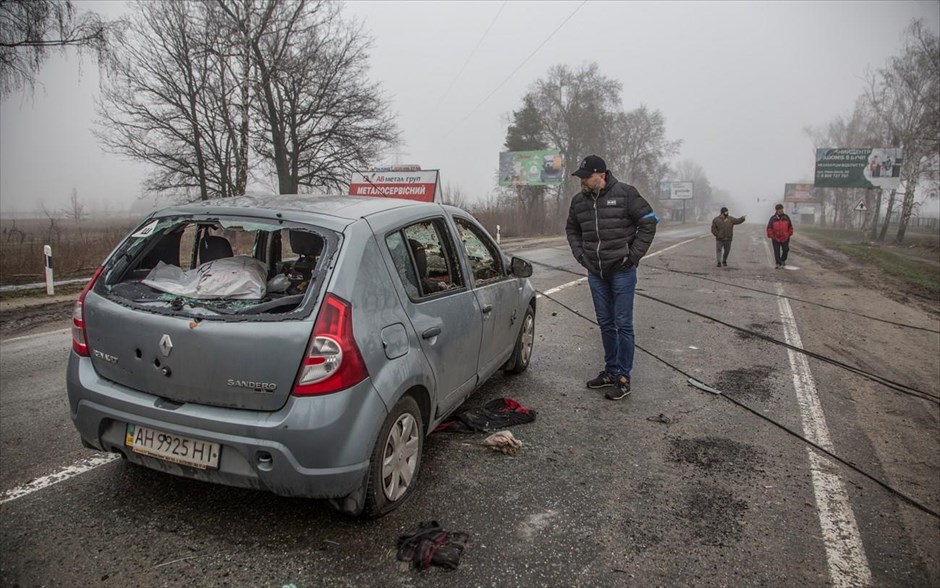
[610, 228]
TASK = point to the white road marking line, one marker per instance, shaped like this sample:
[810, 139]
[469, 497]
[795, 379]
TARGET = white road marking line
[563, 286]
[674, 246]
[25, 337]
[848, 565]
[580, 280]
[66, 473]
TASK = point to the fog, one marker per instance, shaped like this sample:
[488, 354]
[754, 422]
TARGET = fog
[737, 82]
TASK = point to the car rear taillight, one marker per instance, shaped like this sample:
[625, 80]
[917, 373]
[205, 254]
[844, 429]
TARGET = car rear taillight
[332, 362]
[79, 336]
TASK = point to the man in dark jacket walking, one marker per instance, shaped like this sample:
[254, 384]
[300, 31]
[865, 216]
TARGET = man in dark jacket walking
[779, 230]
[610, 227]
[723, 230]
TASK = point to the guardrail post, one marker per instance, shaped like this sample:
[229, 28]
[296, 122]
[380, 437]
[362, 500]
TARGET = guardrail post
[50, 287]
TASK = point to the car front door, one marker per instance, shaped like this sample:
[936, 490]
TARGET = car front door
[497, 293]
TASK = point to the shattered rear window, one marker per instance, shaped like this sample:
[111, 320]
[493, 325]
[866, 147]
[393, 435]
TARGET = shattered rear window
[218, 267]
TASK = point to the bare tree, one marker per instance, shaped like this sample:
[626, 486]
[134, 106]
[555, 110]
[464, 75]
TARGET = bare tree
[30, 29]
[317, 120]
[54, 230]
[454, 195]
[579, 111]
[76, 208]
[578, 108]
[203, 88]
[905, 96]
[164, 103]
[641, 150]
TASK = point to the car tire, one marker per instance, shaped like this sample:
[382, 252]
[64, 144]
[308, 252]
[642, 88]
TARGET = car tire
[522, 353]
[396, 459]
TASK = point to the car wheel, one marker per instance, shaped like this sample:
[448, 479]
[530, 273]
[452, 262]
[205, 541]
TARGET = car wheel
[522, 353]
[396, 459]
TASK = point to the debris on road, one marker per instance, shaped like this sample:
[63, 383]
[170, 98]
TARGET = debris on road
[661, 419]
[503, 441]
[430, 545]
[702, 386]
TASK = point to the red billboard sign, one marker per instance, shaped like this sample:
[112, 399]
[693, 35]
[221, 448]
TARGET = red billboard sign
[798, 193]
[411, 185]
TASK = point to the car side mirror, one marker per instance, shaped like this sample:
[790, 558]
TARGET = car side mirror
[520, 267]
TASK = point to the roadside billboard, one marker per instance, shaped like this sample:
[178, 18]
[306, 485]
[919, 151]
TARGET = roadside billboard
[798, 193]
[676, 190]
[862, 167]
[531, 168]
[411, 185]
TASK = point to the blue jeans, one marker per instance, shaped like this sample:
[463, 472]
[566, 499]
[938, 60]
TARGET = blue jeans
[613, 305]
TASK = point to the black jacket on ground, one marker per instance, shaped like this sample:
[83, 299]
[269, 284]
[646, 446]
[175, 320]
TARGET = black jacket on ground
[612, 229]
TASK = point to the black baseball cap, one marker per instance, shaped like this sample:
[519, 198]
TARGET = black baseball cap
[591, 164]
[724, 209]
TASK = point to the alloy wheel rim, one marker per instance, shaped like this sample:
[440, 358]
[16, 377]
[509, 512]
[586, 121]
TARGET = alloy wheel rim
[400, 458]
[528, 337]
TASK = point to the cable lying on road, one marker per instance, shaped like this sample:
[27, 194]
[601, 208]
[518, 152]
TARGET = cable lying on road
[897, 387]
[911, 501]
[890, 384]
[758, 290]
[800, 300]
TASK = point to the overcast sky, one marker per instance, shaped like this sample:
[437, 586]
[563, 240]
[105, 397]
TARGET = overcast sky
[737, 82]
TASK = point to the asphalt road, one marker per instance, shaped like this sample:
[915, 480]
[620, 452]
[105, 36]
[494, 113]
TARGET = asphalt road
[672, 486]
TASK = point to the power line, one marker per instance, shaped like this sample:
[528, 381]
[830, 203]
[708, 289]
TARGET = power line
[472, 53]
[819, 304]
[890, 384]
[698, 276]
[891, 489]
[509, 77]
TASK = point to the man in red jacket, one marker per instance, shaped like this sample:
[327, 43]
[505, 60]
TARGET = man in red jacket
[779, 230]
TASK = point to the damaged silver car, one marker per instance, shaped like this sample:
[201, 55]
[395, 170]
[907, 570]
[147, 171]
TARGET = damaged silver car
[303, 345]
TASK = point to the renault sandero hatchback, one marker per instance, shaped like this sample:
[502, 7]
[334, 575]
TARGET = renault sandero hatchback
[303, 345]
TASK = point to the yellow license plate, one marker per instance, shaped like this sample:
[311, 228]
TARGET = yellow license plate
[169, 447]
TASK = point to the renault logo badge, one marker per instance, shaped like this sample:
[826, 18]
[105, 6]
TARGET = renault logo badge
[166, 346]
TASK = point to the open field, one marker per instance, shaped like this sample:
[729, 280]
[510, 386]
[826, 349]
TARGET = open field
[77, 246]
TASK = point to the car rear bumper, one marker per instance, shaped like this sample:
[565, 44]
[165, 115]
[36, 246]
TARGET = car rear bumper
[316, 447]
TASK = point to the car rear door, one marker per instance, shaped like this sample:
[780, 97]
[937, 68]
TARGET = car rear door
[238, 364]
[443, 310]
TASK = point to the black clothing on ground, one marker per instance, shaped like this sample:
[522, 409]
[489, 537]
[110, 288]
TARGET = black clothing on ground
[495, 414]
[430, 545]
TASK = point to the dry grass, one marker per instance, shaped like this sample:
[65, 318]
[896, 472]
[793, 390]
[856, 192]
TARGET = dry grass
[78, 247]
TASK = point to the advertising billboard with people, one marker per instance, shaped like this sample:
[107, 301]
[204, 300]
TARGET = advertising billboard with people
[863, 167]
[531, 168]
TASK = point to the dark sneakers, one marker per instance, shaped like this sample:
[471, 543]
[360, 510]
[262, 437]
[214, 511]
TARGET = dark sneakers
[602, 380]
[621, 389]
